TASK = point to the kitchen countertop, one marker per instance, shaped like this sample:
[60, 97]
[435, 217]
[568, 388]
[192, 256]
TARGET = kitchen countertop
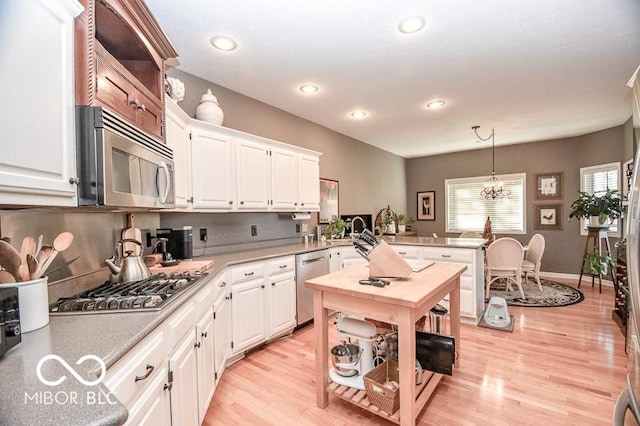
[25, 400]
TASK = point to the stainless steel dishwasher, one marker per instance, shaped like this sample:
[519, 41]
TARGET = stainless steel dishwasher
[308, 265]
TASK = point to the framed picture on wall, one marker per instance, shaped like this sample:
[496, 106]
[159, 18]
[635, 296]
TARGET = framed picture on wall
[328, 200]
[548, 216]
[549, 186]
[426, 205]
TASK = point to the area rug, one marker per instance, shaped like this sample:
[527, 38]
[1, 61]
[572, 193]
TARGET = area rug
[553, 294]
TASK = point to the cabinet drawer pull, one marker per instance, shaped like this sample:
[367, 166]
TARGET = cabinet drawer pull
[446, 255]
[150, 369]
[402, 252]
[138, 105]
[168, 386]
[282, 266]
[222, 284]
[248, 274]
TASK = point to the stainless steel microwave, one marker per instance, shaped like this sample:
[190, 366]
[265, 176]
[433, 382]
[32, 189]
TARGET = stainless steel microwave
[119, 165]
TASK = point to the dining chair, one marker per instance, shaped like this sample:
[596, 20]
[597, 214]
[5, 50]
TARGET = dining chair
[504, 261]
[533, 258]
[470, 234]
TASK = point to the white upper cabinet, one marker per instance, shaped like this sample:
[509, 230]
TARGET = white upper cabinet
[309, 181]
[177, 135]
[235, 171]
[253, 171]
[284, 182]
[212, 171]
[38, 164]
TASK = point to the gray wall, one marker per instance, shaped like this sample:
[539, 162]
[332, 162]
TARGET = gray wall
[369, 177]
[564, 248]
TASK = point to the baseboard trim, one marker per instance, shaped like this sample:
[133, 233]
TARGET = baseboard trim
[586, 278]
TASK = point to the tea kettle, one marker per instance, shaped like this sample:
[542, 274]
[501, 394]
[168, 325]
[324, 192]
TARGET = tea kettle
[126, 266]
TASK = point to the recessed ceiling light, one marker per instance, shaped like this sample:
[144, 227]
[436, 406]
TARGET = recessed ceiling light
[412, 24]
[358, 115]
[435, 104]
[224, 43]
[309, 89]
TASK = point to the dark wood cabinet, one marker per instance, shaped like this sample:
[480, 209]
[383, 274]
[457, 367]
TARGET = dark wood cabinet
[120, 54]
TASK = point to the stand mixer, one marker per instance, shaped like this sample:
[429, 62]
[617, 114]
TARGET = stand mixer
[365, 333]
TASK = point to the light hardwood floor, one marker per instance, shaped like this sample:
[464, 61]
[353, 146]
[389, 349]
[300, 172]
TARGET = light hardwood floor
[560, 366]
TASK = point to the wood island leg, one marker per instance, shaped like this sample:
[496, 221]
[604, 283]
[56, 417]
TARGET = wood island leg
[320, 324]
[406, 361]
[454, 312]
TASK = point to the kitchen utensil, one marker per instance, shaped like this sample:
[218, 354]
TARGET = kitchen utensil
[361, 249]
[132, 233]
[44, 253]
[27, 248]
[368, 237]
[345, 359]
[38, 245]
[6, 277]
[10, 259]
[128, 268]
[61, 243]
[32, 266]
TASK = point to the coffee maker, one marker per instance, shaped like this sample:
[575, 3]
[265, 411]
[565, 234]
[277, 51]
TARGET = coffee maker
[179, 241]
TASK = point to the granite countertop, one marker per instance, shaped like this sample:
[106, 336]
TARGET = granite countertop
[25, 400]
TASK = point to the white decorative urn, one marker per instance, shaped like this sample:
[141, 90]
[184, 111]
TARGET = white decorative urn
[209, 110]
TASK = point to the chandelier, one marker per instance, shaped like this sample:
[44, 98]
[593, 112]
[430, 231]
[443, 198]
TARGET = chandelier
[494, 188]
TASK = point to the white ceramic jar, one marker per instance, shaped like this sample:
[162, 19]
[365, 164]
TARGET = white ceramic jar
[209, 110]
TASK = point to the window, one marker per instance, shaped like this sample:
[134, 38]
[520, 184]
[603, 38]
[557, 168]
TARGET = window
[597, 179]
[468, 211]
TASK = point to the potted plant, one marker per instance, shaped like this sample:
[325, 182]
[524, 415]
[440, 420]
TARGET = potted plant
[597, 207]
[388, 221]
[596, 264]
[403, 221]
[337, 227]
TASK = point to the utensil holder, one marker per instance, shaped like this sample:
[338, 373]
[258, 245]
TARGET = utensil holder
[33, 298]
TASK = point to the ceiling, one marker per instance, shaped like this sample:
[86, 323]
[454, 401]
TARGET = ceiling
[532, 70]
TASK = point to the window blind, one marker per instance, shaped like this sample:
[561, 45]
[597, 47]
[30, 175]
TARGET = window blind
[466, 210]
[596, 180]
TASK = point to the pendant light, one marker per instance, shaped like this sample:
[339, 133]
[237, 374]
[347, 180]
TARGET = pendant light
[494, 188]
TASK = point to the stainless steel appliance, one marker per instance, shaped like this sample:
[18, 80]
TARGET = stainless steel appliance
[308, 265]
[119, 165]
[629, 398]
[10, 333]
[149, 294]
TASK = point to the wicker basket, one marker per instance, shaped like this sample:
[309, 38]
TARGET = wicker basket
[385, 399]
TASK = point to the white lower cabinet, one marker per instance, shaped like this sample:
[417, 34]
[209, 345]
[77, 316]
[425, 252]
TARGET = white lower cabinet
[281, 296]
[471, 280]
[153, 407]
[183, 375]
[205, 354]
[263, 302]
[221, 325]
[140, 382]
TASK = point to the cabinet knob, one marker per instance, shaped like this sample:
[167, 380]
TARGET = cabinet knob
[273, 284]
[262, 286]
[230, 202]
[74, 180]
[242, 202]
[168, 386]
[197, 345]
[204, 334]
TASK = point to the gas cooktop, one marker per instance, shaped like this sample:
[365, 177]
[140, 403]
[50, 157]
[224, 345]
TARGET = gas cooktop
[151, 294]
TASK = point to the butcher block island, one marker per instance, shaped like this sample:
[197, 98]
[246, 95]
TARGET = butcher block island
[402, 302]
